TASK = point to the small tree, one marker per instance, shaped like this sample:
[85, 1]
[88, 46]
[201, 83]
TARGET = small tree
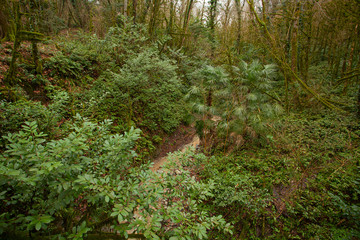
[208, 81]
[247, 104]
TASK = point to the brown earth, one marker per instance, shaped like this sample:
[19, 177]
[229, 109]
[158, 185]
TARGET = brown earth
[182, 136]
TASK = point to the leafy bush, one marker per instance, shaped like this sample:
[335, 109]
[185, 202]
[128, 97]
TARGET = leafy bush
[84, 181]
[232, 191]
[91, 55]
[41, 180]
[304, 184]
[66, 66]
[145, 92]
[14, 114]
[136, 86]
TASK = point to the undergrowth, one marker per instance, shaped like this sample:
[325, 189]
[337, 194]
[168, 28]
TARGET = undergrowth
[303, 184]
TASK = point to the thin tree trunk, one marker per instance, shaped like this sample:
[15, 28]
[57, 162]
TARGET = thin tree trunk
[153, 19]
[351, 58]
[125, 8]
[212, 19]
[171, 17]
[226, 22]
[239, 18]
[358, 102]
[134, 5]
[344, 65]
[294, 40]
[308, 36]
[35, 55]
[202, 11]
[186, 20]
[145, 11]
[9, 79]
[306, 65]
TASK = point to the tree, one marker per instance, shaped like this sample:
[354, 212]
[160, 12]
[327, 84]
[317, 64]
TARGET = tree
[239, 10]
[212, 23]
[208, 81]
[21, 35]
[249, 103]
[279, 55]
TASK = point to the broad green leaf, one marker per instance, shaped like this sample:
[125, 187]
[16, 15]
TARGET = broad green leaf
[38, 226]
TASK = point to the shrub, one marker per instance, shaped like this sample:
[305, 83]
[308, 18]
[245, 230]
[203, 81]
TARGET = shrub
[84, 181]
[146, 92]
[14, 114]
[42, 181]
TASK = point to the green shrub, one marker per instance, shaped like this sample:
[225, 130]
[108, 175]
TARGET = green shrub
[67, 66]
[70, 186]
[14, 114]
[89, 54]
[146, 92]
[41, 180]
[304, 184]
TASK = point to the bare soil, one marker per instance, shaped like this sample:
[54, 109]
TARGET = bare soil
[182, 136]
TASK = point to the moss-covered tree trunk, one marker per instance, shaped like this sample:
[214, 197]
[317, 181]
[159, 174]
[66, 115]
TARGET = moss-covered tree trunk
[154, 17]
[34, 19]
[189, 4]
[134, 12]
[9, 79]
[358, 102]
[3, 22]
[239, 22]
[211, 24]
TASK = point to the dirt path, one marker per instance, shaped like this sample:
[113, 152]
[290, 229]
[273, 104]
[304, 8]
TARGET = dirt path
[162, 160]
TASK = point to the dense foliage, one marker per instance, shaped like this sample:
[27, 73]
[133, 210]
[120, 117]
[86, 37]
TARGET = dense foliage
[91, 92]
[85, 180]
[303, 185]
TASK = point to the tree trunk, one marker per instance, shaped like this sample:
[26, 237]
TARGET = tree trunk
[9, 79]
[351, 58]
[307, 18]
[145, 11]
[186, 20]
[171, 17]
[154, 16]
[134, 5]
[35, 56]
[125, 8]
[344, 65]
[239, 18]
[358, 102]
[211, 24]
[294, 40]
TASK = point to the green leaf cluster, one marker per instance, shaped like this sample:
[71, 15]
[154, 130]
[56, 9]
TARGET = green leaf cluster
[84, 181]
[14, 114]
[146, 92]
[303, 184]
[44, 181]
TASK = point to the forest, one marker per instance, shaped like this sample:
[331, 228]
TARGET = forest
[180, 119]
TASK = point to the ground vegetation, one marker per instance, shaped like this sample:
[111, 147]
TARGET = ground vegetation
[92, 92]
